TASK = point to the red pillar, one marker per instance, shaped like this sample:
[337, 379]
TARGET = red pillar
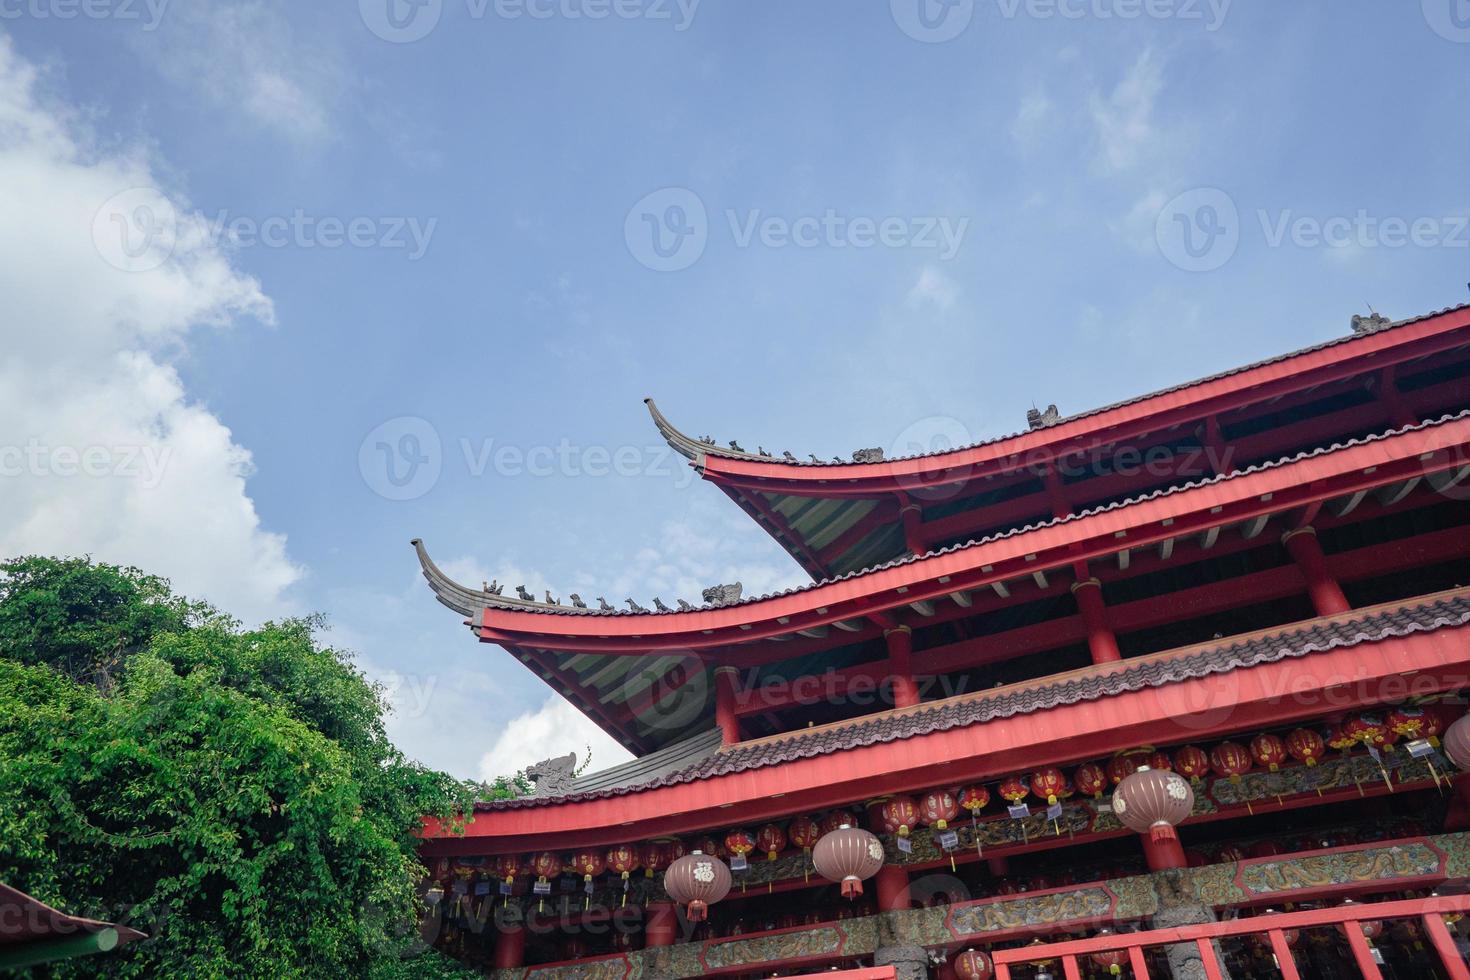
[911, 516]
[1100, 637]
[1327, 597]
[510, 947]
[1163, 855]
[725, 715]
[900, 652]
[660, 924]
[893, 888]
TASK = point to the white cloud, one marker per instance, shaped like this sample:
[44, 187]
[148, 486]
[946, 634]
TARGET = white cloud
[554, 729]
[1032, 118]
[103, 452]
[1124, 119]
[933, 288]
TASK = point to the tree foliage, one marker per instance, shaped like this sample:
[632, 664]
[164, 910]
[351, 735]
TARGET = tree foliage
[229, 791]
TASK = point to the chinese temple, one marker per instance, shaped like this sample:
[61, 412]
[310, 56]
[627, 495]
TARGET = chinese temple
[1171, 688]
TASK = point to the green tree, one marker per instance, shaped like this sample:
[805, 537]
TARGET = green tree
[231, 792]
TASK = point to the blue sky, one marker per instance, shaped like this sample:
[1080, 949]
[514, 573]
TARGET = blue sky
[1034, 169]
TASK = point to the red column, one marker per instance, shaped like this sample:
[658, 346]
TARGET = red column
[725, 715]
[510, 947]
[893, 888]
[900, 652]
[660, 924]
[1100, 638]
[1327, 597]
[911, 515]
[1163, 855]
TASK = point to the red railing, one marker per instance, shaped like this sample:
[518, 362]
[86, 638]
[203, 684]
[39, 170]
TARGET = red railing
[1429, 911]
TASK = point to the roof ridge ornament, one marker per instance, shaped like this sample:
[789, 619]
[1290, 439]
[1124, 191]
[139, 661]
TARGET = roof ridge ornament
[874, 455]
[722, 595]
[1363, 325]
[1040, 420]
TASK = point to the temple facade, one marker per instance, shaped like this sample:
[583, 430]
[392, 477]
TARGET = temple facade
[1168, 688]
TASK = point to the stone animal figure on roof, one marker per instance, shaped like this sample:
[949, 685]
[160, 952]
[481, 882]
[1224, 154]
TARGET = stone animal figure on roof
[1038, 420]
[493, 587]
[521, 591]
[550, 601]
[868, 456]
[633, 605]
[658, 605]
[604, 605]
[577, 601]
[553, 777]
[719, 595]
[1368, 324]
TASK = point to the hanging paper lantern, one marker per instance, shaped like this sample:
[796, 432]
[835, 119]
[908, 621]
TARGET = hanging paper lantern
[1048, 784]
[739, 842]
[772, 840]
[589, 864]
[711, 845]
[506, 866]
[1457, 742]
[1231, 853]
[1265, 849]
[836, 820]
[898, 815]
[973, 965]
[546, 866]
[1230, 759]
[1191, 761]
[974, 798]
[1372, 928]
[1436, 719]
[655, 857]
[804, 832]
[1305, 746]
[848, 855]
[697, 881]
[1338, 737]
[1407, 722]
[938, 808]
[1268, 751]
[1367, 729]
[1014, 789]
[1125, 763]
[1111, 960]
[1153, 802]
[623, 860]
[1160, 760]
[1091, 779]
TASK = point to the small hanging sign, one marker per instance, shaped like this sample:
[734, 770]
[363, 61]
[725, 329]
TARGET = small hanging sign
[1377, 955]
[949, 840]
[905, 846]
[1419, 748]
[506, 888]
[569, 884]
[738, 862]
[1018, 811]
[483, 887]
[539, 888]
[1103, 806]
[461, 887]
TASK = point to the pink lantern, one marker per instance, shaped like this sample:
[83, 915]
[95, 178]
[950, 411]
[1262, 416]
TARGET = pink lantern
[1457, 742]
[697, 881]
[848, 855]
[1152, 801]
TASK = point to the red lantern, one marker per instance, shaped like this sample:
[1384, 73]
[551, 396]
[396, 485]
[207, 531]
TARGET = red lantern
[1457, 742]
[655, 857]
[711, 845]
[697, 881]
[1152, 801]
[974, 798]
[589, 864]
[1192, 761]
[546, 865]
[938, 808]
[1091, 779]
[1407, 722]
[1229, 853]
[804, 832]
[1125, 763]
[1367, 729]
[848, 855]
[973, 965]
[1341, 739]
[623, 860]
[1436, 719]
[772, 840]
[1265, 849]
[1014, 789]
[1049, 784]
[836, 820]
[506, 866]
[1229, 759]
[898, 816]
[1160, 760]
[675, 849]
[739, 842]
[1269, 751]
[1305, 746]
[1111, 960]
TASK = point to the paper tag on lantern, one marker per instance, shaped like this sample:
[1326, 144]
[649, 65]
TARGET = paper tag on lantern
[505, 888]
[483, 887]
[540, 888]
[1373, 751]
[949, 840]
[738, 862]
[1377, 955]
[1104, 806]
[1054, 812]
[589, 887]
[1018, 811]
[905, 846]
[1419, 748]
[461, 887]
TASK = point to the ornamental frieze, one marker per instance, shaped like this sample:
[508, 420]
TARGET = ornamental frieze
[798, 944]
[1415, 860]
[1082, 904]
[605, 968]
